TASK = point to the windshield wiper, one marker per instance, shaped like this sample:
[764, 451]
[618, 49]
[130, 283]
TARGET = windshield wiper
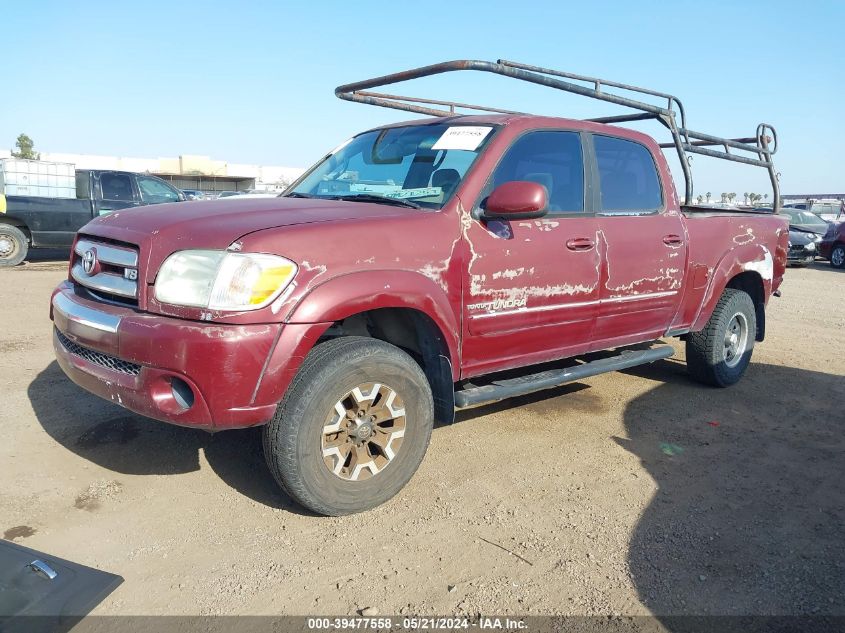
[369, 197]
[296, 194]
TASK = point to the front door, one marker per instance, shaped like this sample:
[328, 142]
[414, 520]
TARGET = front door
[114, 190]
[645, 246]
[156, 191]
[531, 286]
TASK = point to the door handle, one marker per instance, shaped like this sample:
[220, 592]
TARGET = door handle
[42, 568]
[673, 240]
[580, 244]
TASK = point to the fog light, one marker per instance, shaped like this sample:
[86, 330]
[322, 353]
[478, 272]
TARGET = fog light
[182, 393]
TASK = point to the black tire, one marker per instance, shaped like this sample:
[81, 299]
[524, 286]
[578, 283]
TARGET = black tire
[293, 438]
[13, 245]
[707, 354]
[837, 254]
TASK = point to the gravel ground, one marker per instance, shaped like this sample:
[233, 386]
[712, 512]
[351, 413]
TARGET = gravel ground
[630, 493]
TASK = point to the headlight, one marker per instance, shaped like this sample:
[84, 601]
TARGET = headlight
[811, 246]
[219, 280]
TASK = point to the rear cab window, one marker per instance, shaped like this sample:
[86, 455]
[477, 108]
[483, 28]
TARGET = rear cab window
[82, 185]
[627, 176]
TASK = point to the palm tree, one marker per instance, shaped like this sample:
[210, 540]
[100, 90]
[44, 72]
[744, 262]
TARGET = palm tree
[731, 197]
[707, 195]
[745, 195]
[700, 198]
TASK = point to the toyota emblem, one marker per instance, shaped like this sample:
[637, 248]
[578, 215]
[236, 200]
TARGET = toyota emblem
[89, 261]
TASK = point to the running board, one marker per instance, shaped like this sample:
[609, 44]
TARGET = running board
[510, 387]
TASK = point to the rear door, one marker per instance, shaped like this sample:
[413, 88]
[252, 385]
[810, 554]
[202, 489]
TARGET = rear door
[531, 286]
[644, 243]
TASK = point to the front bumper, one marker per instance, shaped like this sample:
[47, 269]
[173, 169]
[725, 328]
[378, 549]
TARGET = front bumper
[801, 255]
[183, 372]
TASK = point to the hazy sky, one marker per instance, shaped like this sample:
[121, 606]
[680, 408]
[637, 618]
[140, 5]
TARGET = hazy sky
[253, 82]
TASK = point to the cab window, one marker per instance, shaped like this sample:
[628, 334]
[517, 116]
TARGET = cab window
[82, 178]
[116, 186]
[551, 158]
[155, 191]
[627, 174]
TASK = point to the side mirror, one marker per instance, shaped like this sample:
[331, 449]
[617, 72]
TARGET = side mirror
[517, 200]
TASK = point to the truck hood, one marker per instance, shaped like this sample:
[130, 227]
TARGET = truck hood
[801, 237]
[161, 229]
[229, 218]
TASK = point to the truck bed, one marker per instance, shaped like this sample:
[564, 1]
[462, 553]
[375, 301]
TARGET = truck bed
[51, 221]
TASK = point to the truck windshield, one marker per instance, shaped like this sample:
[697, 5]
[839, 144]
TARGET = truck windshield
[415, 165]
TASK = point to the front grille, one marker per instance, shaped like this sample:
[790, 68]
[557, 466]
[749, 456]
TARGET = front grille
[800, 250]
[112, 269]
[98, 358]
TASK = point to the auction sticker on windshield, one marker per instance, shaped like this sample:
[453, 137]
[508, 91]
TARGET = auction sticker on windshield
[422, 192]
[394, 191]
[466, 137]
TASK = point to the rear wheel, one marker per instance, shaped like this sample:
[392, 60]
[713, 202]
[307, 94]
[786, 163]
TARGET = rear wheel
[719, 354]
[13, 245]
[353, 427]
[837, 256]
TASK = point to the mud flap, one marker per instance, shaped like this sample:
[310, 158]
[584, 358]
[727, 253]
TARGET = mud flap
[442, 390]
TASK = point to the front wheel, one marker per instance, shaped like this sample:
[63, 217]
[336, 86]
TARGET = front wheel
[352, 428]
[13, 245]
[719, 354]
[837, 256]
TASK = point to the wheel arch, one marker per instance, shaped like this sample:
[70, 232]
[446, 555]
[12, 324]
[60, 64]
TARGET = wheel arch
[751, 283]
[345, 296]
[749, 269]
[403, 308]
[17, 223]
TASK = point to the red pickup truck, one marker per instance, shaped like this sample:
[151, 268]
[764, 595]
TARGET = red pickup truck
[397, 277]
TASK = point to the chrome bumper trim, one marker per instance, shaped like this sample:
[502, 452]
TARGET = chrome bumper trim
[85, 316]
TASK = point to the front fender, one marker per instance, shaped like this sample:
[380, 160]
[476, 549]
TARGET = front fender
[349, 294]
[750, 257]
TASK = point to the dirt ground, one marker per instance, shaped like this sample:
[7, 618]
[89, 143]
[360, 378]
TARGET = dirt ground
[630, 493]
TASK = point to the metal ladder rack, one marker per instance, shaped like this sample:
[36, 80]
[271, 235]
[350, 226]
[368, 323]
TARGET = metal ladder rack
[761, 147]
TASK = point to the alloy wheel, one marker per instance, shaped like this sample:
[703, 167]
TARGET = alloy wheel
[363, 433]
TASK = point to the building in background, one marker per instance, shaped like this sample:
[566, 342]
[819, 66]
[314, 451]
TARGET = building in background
[188, 172]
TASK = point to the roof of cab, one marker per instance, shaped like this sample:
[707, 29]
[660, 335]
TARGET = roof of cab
[527, 121]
